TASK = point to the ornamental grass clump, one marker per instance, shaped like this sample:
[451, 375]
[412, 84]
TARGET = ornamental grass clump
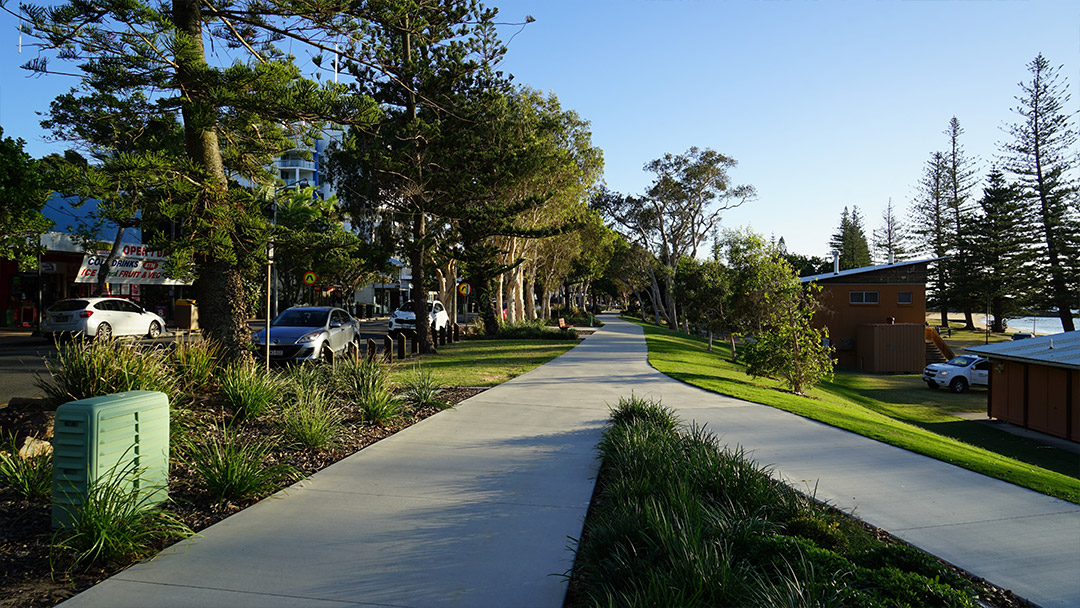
[83, 369]
[421, 389]
[29, 475]
[232, 467]
[196, 363]
[310, 418]
[680, 520]
[249, 389]
[366, 382]
[116, 524]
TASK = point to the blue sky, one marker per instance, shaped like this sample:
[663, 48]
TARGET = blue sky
[823, 104]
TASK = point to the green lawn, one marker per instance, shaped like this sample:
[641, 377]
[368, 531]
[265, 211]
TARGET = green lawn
[898, 410]
[485, 362]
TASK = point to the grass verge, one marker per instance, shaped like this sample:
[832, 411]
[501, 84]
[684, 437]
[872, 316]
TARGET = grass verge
[870, 406]
[486, 362]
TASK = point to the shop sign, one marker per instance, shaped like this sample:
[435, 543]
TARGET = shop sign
[136, 264]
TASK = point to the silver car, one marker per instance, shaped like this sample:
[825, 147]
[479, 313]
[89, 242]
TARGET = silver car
[100, 318]
[306, 333]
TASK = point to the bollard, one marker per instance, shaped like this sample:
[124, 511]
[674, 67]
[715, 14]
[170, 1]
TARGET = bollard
[388, 348]
[371, 348]
[401, 347]
[442, 336]
[415, 346]
[457, 333]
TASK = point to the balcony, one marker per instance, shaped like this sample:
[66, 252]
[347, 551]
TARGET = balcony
[308, 165]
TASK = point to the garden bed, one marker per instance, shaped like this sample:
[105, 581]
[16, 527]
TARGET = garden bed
[26, 577]
[677, 519]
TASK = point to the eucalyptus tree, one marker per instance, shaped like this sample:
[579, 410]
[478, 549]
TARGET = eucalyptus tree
[1042, 155]
[682, 207]
[219, 68]
[526, 168]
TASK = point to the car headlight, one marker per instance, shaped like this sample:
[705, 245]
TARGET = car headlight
[943, 373]
[310, 337]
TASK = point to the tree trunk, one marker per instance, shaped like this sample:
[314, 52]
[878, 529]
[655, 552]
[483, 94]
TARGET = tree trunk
[222, 298]
[106, 266]
[417, 255]
[669, 302]
[658, 304]
[530, 296]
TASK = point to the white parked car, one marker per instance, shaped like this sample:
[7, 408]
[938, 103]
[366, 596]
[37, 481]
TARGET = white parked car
[405, 318]
[958, 373]
[101, 318]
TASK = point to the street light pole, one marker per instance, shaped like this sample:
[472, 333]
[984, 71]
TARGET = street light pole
[269, 266]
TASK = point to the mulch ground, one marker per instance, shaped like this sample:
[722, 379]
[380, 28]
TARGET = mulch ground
[26, 578]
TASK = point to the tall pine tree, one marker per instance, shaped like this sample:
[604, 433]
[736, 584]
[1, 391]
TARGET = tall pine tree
[1043, 158]
[1000, 242]
[891, 238]
[218, 67]
[930, 227]
[850, 240]
[959, 180]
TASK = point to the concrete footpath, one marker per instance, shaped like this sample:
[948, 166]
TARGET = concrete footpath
[476, 506]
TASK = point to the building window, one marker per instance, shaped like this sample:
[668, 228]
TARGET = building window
[903, 297]
[863, 297]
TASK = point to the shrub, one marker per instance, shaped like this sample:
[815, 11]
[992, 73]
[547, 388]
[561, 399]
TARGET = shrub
[117, 523]
[249, 389]
[30, 476]
[533, 330]
[421, 389]
[233, 468]
[83, 369]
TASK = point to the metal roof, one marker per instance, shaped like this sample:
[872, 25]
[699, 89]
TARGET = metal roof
[865, 269]
[1058, 350]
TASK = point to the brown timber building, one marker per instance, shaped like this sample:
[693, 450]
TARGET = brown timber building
[1034, 383]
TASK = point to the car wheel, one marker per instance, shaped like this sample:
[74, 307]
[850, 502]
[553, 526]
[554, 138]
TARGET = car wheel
[930, 384]
[104, 332]
[155, 330]
[958, 385]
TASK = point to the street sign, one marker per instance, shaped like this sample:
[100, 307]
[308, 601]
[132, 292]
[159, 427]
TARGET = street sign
[464, 289]
[309, 278]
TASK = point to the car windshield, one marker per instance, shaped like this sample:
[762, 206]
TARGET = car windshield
[963, 361]
[301, 318]
[69, 305]
[408, 306]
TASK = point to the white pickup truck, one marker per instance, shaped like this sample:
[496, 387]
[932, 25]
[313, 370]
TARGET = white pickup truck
[958, 374]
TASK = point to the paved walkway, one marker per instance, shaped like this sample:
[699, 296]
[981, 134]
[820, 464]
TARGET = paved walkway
[475, 506]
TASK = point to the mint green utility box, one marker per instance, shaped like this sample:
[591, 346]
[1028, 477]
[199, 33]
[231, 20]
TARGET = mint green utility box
[110, 435]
